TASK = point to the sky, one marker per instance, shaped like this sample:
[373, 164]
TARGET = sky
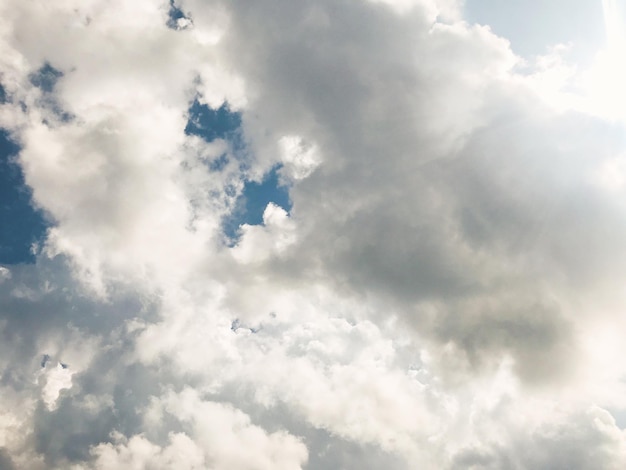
[534, 26]
[329, 234]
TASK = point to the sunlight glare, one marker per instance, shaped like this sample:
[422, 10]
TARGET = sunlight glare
[605, 81]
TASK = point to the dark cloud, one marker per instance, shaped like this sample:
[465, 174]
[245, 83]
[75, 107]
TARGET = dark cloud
[5, 460]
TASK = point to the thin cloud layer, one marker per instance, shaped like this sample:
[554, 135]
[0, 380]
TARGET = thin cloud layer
[444, 291]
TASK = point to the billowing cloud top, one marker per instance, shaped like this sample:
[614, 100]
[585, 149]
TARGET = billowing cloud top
[444, 289]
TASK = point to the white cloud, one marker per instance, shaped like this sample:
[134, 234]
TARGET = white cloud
[299, 158]
[444, 291]
[216, 436]
[272, 238]
[56, 379]
[137, 452]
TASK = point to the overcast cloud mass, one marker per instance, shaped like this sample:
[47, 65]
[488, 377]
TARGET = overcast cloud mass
[443, 290]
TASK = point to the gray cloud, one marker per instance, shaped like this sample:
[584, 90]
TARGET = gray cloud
[442, 294]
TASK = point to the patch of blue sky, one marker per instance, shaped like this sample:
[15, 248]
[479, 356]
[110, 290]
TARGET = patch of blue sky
[211, 124]
[534, 26]
[252, 203]
[222, 123]
[256, 196]
[46, 79]
[176, 17]
[21, 224]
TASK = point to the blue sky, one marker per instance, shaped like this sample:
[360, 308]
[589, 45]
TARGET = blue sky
[533, 26]
[22, 225]
[222, 123]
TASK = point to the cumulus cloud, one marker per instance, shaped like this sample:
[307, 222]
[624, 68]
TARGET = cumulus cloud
[225, 440]
[444, 291]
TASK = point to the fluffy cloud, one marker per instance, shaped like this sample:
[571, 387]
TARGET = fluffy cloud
[444, 291]
[223, 438]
